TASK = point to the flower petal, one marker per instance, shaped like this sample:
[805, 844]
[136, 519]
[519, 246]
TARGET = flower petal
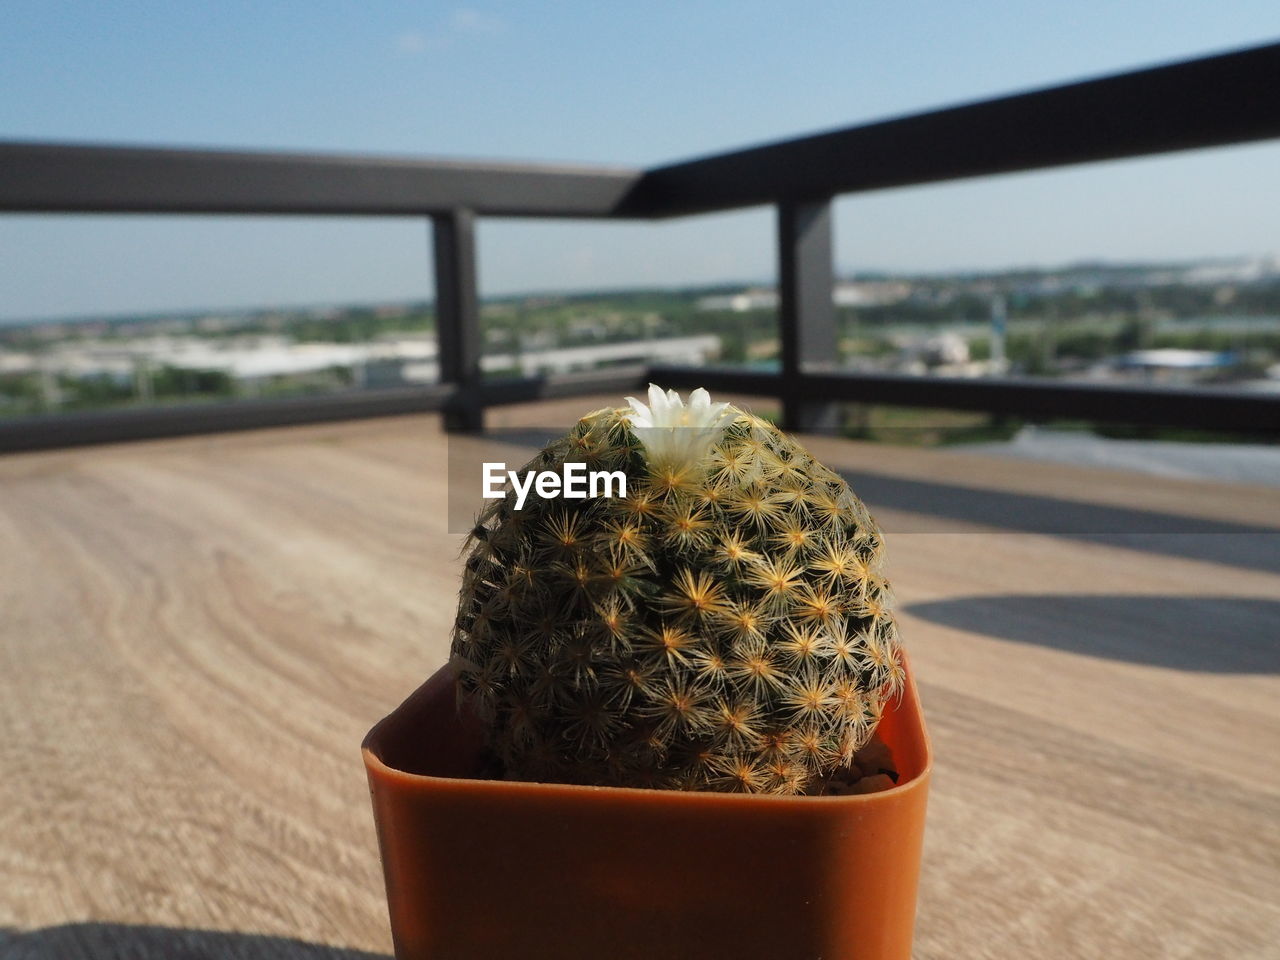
[699, 423]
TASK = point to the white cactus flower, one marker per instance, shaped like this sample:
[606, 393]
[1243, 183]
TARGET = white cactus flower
[674, 435]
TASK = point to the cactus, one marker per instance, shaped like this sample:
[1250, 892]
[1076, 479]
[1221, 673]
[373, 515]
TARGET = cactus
[724, 626]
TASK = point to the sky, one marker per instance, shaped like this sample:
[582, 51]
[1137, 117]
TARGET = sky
[630, 84]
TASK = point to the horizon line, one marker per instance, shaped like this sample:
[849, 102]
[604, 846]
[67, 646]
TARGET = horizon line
[842, 275]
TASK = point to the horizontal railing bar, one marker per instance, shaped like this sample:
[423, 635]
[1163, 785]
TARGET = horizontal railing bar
[1214, 101]
[1207, 408]
[52, 178]
[82, 428]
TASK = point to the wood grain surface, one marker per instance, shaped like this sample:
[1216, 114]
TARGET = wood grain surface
[195, 635]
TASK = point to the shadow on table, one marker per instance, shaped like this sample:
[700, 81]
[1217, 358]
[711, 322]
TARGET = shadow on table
[1204, 634]
[933, 505]
[122, 941]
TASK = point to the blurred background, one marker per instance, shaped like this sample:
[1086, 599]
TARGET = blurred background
[1157, 270]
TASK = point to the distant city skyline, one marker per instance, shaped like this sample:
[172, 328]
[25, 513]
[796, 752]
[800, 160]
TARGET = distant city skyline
[600, 85]
[1268, 262]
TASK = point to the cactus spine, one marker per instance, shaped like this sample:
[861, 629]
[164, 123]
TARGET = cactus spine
[725, 626]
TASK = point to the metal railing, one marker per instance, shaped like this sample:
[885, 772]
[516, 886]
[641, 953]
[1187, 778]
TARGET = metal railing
[1214, 101]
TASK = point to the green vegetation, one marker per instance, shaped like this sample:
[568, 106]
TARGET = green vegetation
[358, 325]
[29, 393]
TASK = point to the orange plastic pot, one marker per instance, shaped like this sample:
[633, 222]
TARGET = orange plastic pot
[478, 869]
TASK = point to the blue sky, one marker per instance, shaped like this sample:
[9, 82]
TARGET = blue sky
[630, 84]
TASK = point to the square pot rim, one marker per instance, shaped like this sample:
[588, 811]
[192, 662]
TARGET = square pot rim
[908, 704]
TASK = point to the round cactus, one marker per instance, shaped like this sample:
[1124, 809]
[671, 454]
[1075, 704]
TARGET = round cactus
[723, 626]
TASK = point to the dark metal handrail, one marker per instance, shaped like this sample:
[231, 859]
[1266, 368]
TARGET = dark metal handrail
[1212, 101]
[1199, 407]
[80, 428]
[60, 178]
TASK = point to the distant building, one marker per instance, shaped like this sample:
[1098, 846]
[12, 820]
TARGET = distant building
[1174, 366]
[754, 299]
[682, 351]
[861, 293]
[943, 353]
[870, 293]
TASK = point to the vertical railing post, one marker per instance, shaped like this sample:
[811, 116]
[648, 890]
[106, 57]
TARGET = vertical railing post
[458, 316]
[806, 312]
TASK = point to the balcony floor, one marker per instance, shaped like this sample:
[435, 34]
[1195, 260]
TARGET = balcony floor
[195, 635]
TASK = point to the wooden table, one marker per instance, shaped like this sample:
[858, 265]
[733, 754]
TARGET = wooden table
[195, 635]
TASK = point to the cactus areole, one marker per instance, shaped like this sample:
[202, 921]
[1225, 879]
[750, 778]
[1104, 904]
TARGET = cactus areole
[724, 625]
